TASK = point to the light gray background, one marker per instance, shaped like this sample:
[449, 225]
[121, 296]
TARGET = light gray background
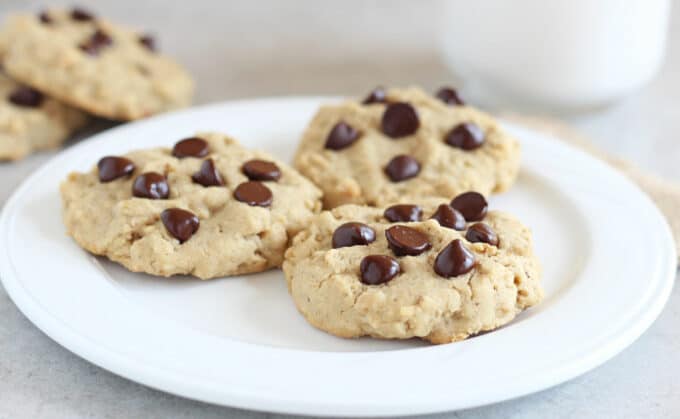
[262, 48]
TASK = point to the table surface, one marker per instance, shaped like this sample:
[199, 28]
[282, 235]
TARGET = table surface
[351, 49]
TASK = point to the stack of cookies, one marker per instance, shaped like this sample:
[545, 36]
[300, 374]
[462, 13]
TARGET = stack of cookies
[409, 247]
[60, 66]
[382, 227]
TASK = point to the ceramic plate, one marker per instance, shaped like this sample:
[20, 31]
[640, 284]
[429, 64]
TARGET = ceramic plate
[607, 253]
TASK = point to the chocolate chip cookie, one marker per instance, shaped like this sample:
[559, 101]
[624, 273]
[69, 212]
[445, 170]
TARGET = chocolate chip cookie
[440, 271]
[31, 121]
[206, 207]
[405, 144]
[94, 65]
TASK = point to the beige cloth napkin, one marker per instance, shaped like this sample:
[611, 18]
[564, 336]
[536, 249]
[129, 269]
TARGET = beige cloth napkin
[664, 193]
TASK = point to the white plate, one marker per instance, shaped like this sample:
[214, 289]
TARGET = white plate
[607, 253]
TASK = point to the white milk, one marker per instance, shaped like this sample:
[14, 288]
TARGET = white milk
[553, 54]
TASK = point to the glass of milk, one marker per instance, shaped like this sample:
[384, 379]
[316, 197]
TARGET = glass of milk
[553, 55]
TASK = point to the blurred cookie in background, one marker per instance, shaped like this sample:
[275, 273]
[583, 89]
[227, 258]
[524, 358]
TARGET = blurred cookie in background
[31, 121]
[89, 63]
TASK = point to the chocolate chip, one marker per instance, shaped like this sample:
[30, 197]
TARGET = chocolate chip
[191, 147]
[402, 167]
[26, 97]
[406, 241]
[101, 38]
[377, 95]
[151, 185]
[455, 259]
[81, 14]
[45, 17]
[449, 96]
[481, 232]
[467, 136]
[148, 42]
[208, 175]
[112, 167]
[181, 224]
[353, 234]
[96, 43]
[261, 170]
[472, 205]
[378, 269]
[254, 194]
[449, 217]
[399, 120]
[403, 213]
[342, 135]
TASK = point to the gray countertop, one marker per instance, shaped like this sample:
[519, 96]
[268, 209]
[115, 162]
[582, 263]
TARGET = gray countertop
[355, 45]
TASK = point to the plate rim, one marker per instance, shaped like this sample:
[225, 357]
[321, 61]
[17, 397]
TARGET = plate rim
[40, 316]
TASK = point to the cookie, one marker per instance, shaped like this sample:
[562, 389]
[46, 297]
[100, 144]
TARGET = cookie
[405, 144]
[442, 276]
[207, 207]
[94, 65]
[30, 121]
